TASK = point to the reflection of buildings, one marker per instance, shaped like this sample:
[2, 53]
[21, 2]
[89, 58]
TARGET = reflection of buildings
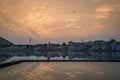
[116, 56]
[91, 50]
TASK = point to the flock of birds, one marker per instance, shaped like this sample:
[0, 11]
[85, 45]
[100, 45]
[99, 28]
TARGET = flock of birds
[73, 13]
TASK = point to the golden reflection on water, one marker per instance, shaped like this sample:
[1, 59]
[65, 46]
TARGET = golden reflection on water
[58, 71]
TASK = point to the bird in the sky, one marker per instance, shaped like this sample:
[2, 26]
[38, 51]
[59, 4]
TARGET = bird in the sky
[69, 22]
[74, 11]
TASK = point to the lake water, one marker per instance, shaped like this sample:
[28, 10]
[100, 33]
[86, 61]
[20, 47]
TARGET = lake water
[70, 55]
[62, 71]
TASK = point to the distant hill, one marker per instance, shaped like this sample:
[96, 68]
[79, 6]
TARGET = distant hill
[4, 42]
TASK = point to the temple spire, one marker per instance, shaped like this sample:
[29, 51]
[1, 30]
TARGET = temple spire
[30, 41]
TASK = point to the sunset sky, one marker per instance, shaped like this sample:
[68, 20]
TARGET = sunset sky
[59, 20]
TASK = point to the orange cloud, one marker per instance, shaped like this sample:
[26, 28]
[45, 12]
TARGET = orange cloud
[103, 11]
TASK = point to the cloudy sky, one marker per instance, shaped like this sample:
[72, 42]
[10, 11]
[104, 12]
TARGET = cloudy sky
[59, 20]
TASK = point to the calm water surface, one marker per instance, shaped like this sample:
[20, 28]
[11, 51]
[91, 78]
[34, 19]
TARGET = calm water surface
[62, 71]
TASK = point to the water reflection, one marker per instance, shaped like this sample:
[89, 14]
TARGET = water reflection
[64, 71]
[68, 55]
